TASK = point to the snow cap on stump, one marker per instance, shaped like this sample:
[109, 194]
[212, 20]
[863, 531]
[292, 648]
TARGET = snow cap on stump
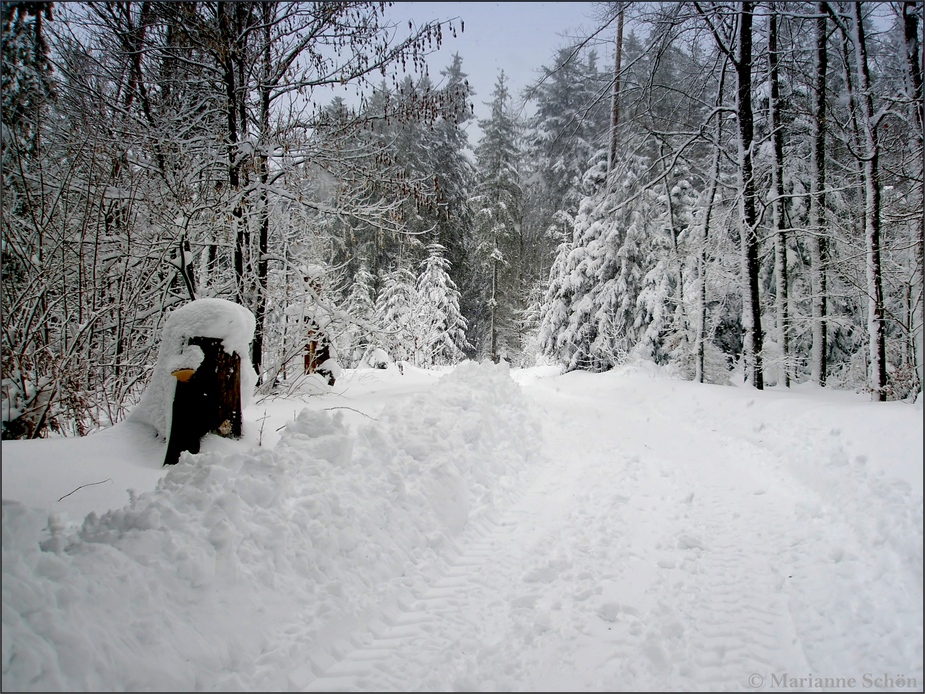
[217, 318]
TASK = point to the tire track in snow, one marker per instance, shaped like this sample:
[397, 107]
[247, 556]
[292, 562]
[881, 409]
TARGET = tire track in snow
[452, 618]
[703, 598]
[722, 615]
[578, 585]
[844, 541]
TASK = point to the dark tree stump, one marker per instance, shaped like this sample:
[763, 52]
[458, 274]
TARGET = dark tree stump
[209, 402]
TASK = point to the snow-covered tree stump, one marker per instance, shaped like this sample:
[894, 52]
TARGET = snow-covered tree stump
[207, 400]
[203, 377]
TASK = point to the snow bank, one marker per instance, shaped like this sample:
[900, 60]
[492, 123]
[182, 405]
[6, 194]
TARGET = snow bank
[217, 318]
[257, 542]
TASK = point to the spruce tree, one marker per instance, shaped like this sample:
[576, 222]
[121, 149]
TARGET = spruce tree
[360, 332]
[442, 326]
[395, 314]
[498, 211]
[455, 181]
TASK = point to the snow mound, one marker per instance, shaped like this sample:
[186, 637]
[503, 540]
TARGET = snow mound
[257, 542]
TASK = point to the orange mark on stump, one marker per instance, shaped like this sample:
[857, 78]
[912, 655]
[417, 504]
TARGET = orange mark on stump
[183, 375]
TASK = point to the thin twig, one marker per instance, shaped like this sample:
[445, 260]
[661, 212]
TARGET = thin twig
[90, 484]
[263, 420]
[352, 410]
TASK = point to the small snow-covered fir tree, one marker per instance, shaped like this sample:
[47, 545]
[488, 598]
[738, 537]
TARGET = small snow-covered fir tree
[443, 337]
[395, 313]
[359, 335]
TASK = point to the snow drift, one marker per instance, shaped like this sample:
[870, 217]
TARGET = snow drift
[304, 537]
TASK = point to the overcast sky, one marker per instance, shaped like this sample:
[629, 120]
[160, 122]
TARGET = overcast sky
[518, 37]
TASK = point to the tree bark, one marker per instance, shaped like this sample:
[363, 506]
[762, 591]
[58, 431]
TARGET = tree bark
[707, 218]
[260, 309]
[819, 245]
[615, 97]
[493, 307]
[754, 337]
[226, 56]
[914, 59]
[870, 156]
[777, 203]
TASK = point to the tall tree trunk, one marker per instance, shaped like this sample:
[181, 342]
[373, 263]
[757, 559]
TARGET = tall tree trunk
[871, 178]
[915, 58]
[680, 314]
[260, 309]
[754, 337]
[781, 233]
[615, 96]
[229, 82]
[231, 18]
[817, 200]
[493, 309]
[707, 218]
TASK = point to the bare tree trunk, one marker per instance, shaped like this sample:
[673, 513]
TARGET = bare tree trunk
[229, 81]
[243, 206]
[615, 97]
[754, 337]
[777, 202]
[817, 218]
[915, 58]
[260, 309]
[493, 308]
[707, 217]
[871, 177]
[673, 228]
[231, 18]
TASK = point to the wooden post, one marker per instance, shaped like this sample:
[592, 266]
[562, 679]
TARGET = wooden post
[207, 400]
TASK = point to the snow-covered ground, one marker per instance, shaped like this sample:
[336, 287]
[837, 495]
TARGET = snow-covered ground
[477, 529]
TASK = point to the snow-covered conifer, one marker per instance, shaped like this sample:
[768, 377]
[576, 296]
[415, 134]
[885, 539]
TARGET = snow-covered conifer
[395, 314]
[443, 337]
[359, 334]
[498, 211]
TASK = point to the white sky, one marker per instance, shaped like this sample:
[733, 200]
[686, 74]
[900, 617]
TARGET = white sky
[477, 529]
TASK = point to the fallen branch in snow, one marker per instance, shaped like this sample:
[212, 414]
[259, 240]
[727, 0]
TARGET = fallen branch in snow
[340, 407]
[89, 484]
[352, 410]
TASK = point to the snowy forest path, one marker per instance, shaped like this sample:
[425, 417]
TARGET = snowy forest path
[637, 497]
